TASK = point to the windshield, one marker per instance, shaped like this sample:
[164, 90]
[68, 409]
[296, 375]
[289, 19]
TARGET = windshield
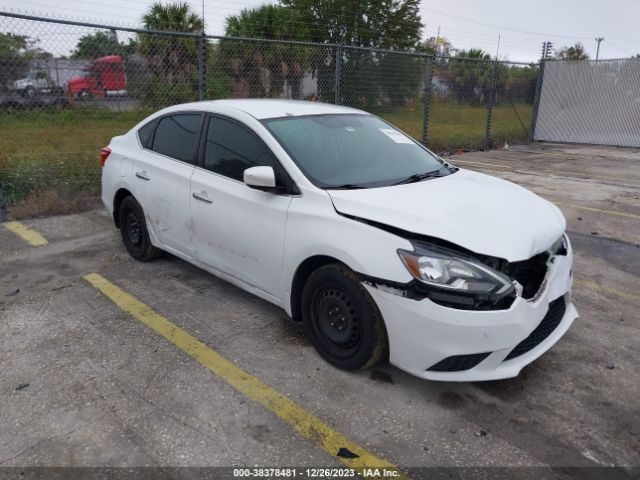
[353, 151]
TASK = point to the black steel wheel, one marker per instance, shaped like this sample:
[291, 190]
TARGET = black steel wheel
[342, 320]
[133, 229]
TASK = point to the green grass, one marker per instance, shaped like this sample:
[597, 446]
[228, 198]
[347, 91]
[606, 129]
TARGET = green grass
[45, 151]
[460, 126]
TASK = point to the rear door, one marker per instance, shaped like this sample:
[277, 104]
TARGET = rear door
[164, 170]
[238, 230]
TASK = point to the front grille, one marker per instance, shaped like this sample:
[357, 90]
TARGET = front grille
[548, 324]
[458, 363]
[529, 273]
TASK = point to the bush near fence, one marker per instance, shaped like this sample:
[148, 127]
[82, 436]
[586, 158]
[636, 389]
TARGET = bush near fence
[49, 144]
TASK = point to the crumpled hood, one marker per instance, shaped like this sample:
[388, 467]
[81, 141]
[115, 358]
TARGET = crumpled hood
[484, 214]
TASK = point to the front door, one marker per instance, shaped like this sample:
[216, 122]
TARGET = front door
[238, 230]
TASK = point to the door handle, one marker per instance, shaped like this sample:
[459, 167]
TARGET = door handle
[142, 175]
[202, 196]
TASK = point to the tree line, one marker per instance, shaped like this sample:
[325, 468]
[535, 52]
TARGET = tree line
[164, 69]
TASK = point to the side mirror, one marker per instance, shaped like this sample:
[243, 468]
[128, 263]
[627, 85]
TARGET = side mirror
[261, 178]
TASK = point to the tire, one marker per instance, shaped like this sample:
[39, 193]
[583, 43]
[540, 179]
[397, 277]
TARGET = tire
[84, 95]
[61, 103]
[341, 319]
[29, 92]
[133, 229]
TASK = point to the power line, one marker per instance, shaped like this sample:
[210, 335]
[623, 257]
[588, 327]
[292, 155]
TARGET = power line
[71, 9]
[502, 27]
[519, 46]
[619, 48]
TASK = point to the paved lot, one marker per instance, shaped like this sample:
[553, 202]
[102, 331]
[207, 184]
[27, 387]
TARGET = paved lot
[86, 383]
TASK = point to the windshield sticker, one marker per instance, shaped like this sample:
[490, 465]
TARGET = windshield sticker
[395, 135]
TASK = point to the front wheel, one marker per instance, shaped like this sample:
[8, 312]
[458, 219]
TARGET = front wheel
[133, 229]
[341, 319]
[29, 92]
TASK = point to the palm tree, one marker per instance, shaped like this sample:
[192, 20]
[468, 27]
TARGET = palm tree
[173, 57]
[263, 69]
[471, 75]
[174, 17]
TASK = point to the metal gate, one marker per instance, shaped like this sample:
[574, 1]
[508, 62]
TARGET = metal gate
[590, 102]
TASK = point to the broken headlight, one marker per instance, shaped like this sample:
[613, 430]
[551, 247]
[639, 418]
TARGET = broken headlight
[449, 270]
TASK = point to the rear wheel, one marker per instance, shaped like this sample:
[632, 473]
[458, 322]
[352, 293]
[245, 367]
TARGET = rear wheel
[133, 229]
[341, 319]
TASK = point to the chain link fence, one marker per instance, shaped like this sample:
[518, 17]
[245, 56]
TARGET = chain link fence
[66, 88]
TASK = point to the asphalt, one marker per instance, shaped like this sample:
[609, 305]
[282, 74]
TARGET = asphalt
[85, 383]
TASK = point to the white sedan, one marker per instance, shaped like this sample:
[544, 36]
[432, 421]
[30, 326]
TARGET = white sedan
[379, 247]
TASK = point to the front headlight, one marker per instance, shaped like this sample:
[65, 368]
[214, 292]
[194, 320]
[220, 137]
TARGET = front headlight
[439, 267]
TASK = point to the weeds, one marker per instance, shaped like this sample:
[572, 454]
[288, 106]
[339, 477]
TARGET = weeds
[49, 158]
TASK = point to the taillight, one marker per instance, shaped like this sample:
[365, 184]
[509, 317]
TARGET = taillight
[104, 154]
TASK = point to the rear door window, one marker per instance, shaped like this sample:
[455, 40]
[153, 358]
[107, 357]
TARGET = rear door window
[177, 136]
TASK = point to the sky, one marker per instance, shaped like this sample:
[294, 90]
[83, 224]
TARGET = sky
[522, 26]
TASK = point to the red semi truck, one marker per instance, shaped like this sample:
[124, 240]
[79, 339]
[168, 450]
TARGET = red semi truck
[103, 77]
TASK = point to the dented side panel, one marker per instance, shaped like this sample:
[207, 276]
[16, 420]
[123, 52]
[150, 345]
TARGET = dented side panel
[165, 198]
[314, 228]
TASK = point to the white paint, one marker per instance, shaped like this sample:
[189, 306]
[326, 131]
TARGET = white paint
[260, 177]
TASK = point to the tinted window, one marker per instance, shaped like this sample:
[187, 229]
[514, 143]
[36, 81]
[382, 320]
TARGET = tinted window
[346, 149]
[145, 133]
[177, 136]
[231, 149]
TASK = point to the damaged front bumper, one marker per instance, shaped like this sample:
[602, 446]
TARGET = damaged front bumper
[437, 342]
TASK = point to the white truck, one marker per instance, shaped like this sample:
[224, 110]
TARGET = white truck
[36, 83]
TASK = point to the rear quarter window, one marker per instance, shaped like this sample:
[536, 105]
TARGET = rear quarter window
[145, 133]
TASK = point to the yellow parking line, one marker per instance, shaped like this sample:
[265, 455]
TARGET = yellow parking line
[559, 173]
[303, 422]
[612, 291]
[591, 209]
[29, 235]
[599, 210]
[588, 176]
[455, 160]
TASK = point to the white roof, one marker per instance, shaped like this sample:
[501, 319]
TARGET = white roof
[272, 108]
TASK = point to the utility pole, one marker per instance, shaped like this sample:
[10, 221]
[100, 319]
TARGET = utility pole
[598, 39]
[546, 50]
